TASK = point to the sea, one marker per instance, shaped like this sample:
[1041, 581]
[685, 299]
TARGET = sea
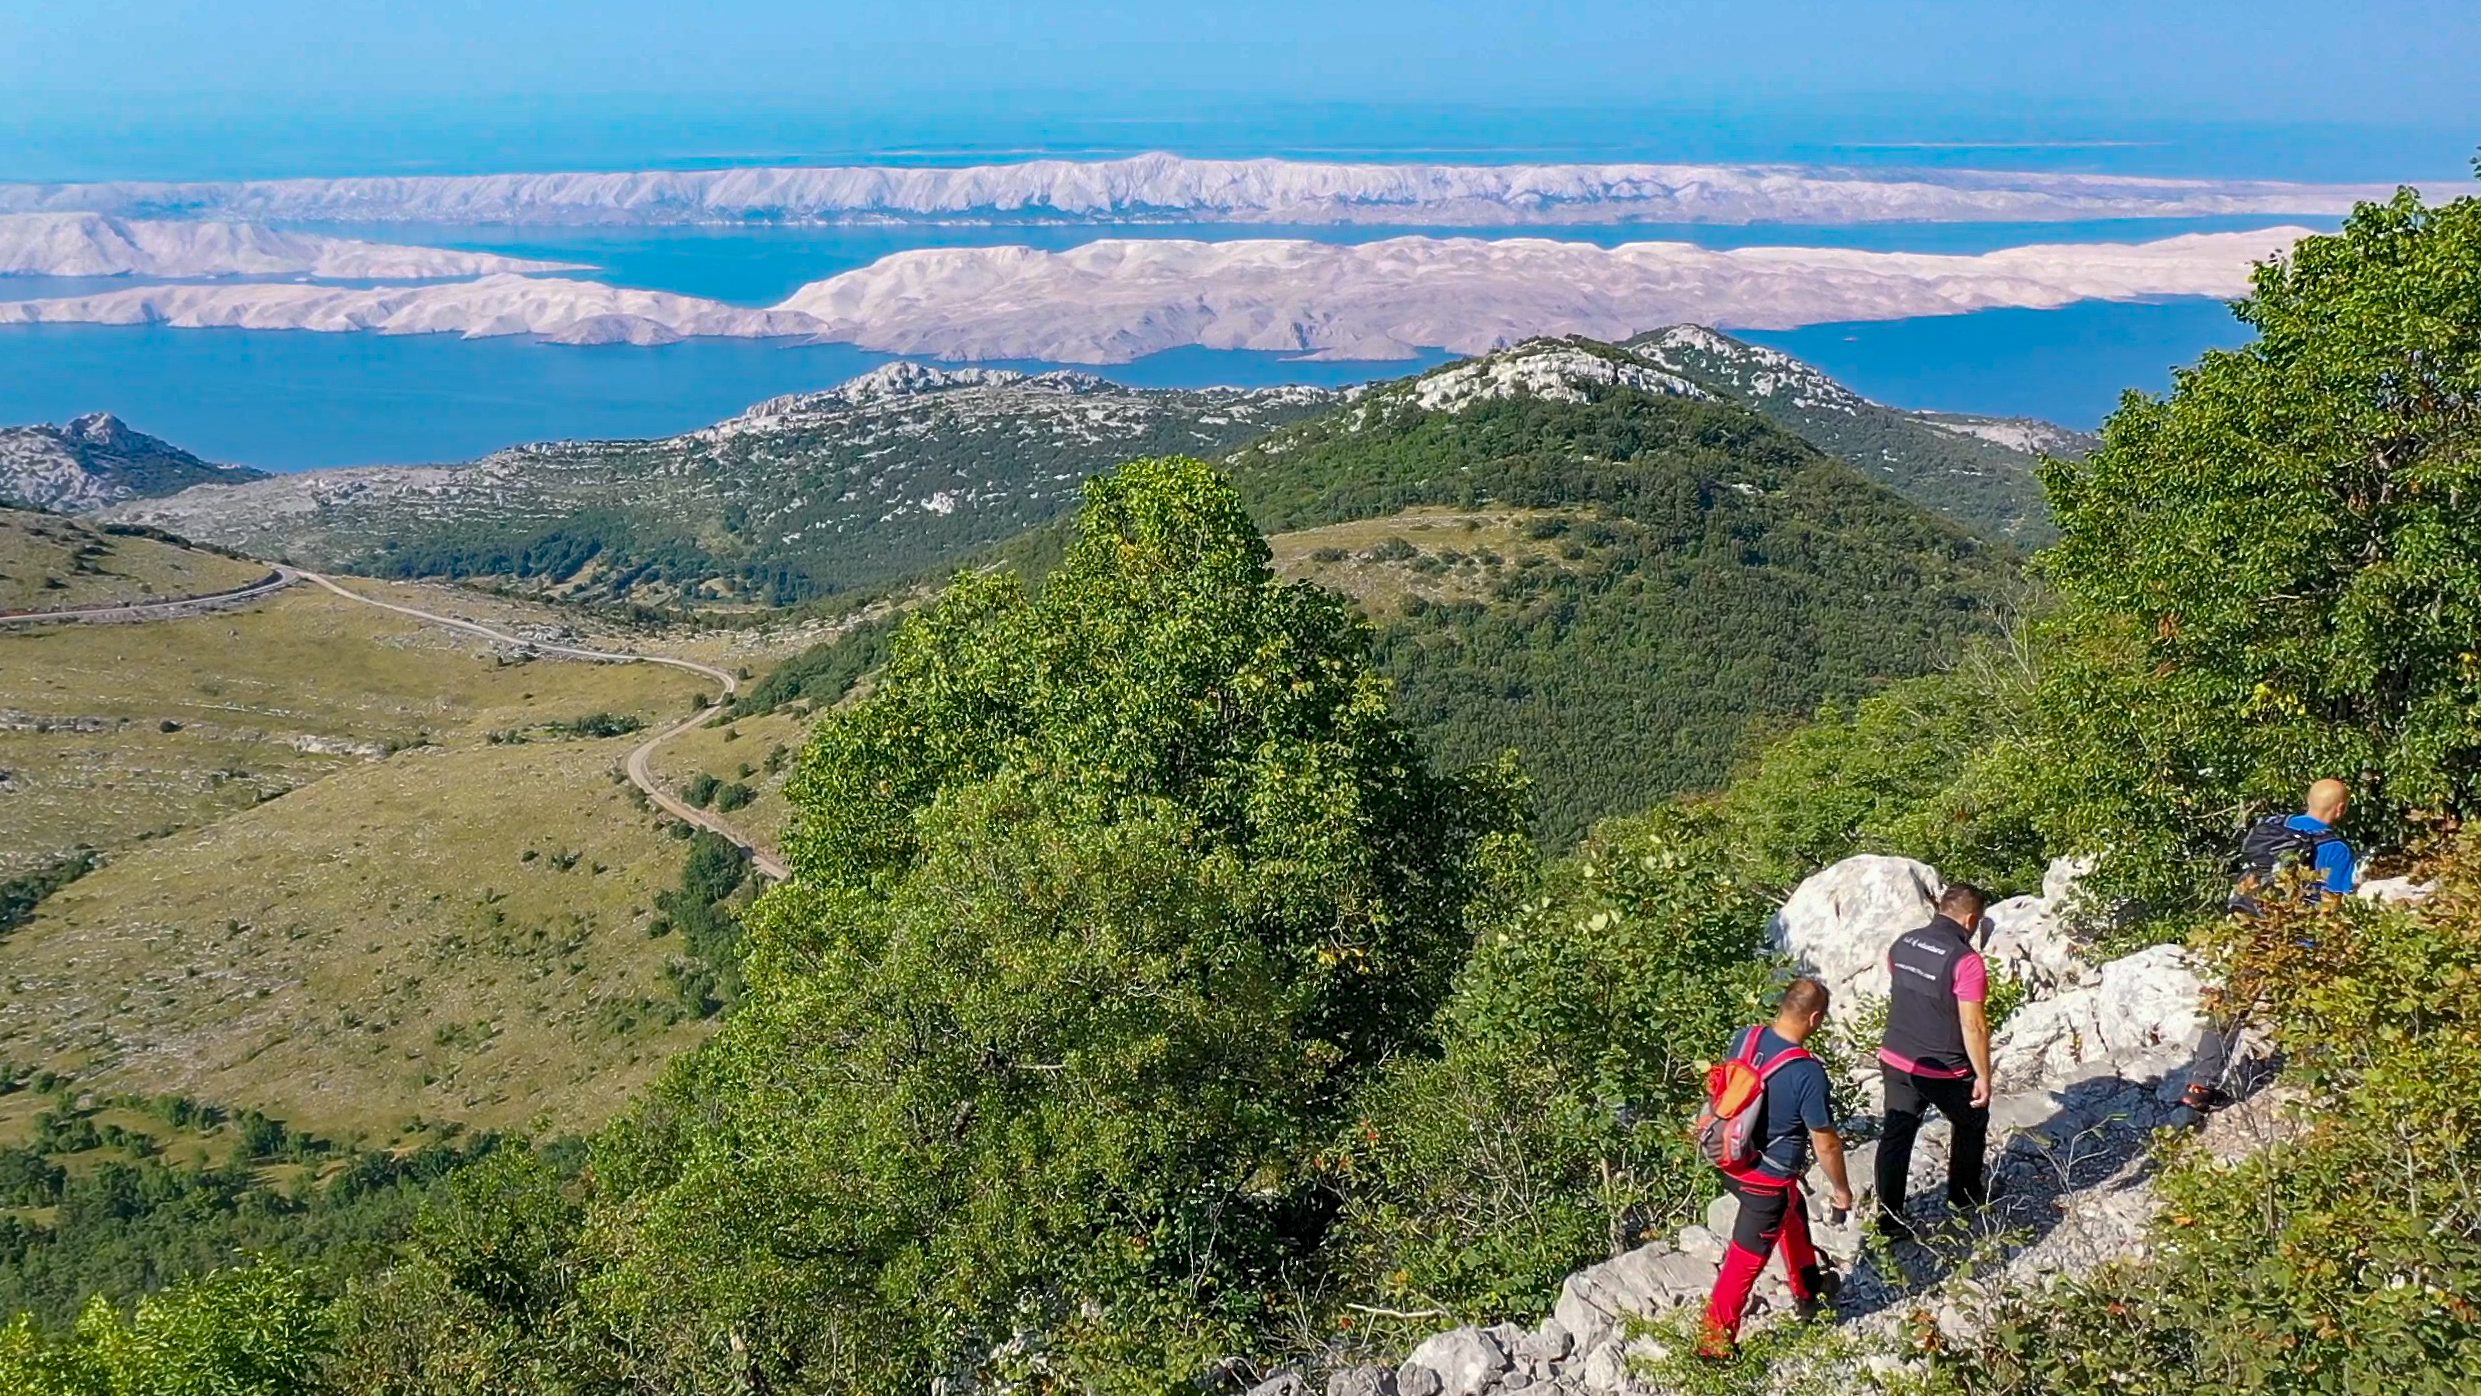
[289, 400]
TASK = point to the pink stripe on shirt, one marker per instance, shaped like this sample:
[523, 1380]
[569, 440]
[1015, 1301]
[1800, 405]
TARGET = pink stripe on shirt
[1917, 1069]
[1972, 979]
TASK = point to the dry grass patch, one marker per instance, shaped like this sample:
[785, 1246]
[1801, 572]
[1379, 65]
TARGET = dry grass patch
[48, 561]
[110, 735]
[375, 948]
[1436, 554]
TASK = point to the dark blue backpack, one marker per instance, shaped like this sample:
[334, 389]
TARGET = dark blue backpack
[2270, 846]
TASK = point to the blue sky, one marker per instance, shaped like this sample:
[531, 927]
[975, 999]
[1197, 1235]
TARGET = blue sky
[2381, 60]
[126, 88]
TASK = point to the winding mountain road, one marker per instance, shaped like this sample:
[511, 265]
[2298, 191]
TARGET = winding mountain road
[170, 608]
[641, 773]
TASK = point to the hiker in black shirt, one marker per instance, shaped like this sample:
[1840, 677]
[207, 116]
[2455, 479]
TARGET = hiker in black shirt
[1936, 1052]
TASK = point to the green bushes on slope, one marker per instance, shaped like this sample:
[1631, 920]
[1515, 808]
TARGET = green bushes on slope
[1739, 579]
[252, 1331]
[2345, 1255]
[1546, 1132]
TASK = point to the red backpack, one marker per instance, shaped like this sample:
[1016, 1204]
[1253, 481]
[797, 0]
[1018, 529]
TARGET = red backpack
[1726, 1129]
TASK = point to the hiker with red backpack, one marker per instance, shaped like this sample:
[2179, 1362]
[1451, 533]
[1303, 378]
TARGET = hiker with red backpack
[1766, 1106]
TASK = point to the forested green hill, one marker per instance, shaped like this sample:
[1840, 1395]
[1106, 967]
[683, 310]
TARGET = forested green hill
[1974, 468]
[1685, 574]
[1699, 573]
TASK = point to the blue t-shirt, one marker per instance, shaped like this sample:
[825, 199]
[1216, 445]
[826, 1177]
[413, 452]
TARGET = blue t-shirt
[2335, 866]
[1796, 1103]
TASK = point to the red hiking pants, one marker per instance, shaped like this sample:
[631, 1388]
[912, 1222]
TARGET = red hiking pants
[1771, 1213]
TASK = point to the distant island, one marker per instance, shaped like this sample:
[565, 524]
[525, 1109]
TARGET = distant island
[1174, 188]
[1118, 299]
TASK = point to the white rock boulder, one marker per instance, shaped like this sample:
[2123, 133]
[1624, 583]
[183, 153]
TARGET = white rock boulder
[2046, 1040]
[2060, 878]
[2027, 940]
[2150, 1003]
[1646, 1281]
[1466, 1362]
[2396, 889]
[1838, 924]
[2143, 1011]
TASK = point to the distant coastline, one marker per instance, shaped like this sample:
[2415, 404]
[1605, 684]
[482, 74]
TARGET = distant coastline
[1165, 187]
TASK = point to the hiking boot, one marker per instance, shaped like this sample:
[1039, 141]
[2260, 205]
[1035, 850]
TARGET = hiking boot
[1895, 1227]
[2204, 1097]
[1824, 1287]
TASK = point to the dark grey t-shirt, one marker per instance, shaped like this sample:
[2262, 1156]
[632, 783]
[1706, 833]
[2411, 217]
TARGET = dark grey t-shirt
[1796, 1103]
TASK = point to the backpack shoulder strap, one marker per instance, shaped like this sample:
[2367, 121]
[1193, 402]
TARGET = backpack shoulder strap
[1744, 1051]
[1783, 1059]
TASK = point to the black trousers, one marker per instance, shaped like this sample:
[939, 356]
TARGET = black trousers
[1908, 1098]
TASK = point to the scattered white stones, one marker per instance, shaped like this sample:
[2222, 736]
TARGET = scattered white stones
[1545, 368]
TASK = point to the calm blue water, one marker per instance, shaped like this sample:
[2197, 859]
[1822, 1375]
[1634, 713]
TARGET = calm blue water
[286, 400]
[760, 265]
[2067, 366]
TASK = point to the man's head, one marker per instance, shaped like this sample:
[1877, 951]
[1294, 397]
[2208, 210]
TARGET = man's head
[1803, 1007]
[2328, 799]
[1962, 903]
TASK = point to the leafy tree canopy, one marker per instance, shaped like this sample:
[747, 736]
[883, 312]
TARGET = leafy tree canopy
[2274, 573]
[1104, 901]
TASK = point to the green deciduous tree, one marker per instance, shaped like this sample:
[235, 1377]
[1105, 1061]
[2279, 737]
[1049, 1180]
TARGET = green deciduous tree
[2274, 573]
[1105, 901]
[1549, 1133]
[254, 1331]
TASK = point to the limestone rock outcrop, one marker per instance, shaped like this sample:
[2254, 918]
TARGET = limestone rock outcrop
[2087, 1067]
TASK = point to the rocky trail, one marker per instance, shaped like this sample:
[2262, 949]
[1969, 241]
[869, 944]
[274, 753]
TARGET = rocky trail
[2089, 1069]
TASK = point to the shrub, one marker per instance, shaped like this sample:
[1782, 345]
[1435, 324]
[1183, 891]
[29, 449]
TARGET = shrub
[2268, 573]
[1550, 1133]
[2343, 1256]
[256, 1331]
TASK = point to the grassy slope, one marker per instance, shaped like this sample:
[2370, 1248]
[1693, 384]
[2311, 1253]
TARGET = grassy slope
[50, 560]
[266, 699]
[372, 948]
[721, 751]
[318, 955]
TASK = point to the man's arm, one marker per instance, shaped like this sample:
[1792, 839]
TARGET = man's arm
[1830, 1146]
[1977, 1045]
